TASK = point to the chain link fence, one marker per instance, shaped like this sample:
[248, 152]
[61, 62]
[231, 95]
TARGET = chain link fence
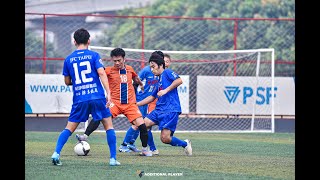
[48, 37]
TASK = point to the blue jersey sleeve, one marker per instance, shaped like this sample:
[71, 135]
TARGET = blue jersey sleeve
[65, 70]
[98, 61]
[171, 74]
[142, 74]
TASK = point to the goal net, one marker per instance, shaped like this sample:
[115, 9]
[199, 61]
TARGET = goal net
[222, 91]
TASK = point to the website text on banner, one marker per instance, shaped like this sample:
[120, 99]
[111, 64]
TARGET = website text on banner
[47, 93]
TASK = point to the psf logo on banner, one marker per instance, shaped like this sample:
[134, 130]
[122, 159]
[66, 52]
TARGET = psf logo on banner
[243, 95]
[263, 94]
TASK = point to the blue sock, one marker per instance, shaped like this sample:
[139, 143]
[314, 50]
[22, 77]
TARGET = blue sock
[150, 141]
[112, 142]
[129, 135]
[62, 139]
[135, 136]
[177, 142]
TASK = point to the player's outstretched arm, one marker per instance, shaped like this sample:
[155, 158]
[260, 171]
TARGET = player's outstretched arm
[146, 100]
[105, 82]
[173, 85]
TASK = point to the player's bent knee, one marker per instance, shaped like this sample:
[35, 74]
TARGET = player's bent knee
[148, 122]
[165, 139]
[137, 122]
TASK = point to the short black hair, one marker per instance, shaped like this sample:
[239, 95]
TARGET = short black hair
[157, 59]
[81, 36]
[118, 52]
[159, 52]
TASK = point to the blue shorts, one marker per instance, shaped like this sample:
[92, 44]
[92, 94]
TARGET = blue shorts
[165, 120]
[97, 108]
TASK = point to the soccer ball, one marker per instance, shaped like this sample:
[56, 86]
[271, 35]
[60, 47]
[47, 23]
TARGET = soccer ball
[82, 148]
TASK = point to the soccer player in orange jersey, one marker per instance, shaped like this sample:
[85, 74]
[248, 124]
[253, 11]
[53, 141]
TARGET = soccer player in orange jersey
[123, 98]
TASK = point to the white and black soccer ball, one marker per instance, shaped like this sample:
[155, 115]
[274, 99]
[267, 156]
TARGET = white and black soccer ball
[82, 148]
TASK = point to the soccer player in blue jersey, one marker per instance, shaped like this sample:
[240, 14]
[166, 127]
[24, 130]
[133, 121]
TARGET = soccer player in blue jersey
[83, 69]
[168, 108]
[150, 80]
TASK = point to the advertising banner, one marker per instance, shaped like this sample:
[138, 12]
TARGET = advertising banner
[47, 93]
[245, 95]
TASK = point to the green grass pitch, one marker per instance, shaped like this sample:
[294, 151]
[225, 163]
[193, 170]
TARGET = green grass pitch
[215, 156]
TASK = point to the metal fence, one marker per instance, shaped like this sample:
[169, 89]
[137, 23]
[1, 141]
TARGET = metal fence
[48, 40]
[48, 37]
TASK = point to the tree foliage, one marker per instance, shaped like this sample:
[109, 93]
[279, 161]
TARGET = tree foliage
[218, 36]
[211, 35]
[34, 46]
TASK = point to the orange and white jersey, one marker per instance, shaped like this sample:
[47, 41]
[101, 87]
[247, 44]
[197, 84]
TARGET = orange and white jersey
[120, 82]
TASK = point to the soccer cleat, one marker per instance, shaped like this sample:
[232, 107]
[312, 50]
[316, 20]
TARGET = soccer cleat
[133, 148]
[123, 148]
[188, 148]
[81, 137]
[155, 152]
[145, 153]
[114, 162]
[56, 159]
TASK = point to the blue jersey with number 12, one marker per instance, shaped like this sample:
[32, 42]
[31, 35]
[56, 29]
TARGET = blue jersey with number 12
[82, 67]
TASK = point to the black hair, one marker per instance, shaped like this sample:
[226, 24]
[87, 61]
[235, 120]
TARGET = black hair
[159, 52]
[157, 59]
[81, 36]
[118, 52]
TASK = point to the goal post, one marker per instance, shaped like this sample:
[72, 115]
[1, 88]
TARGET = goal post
[222, 91]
